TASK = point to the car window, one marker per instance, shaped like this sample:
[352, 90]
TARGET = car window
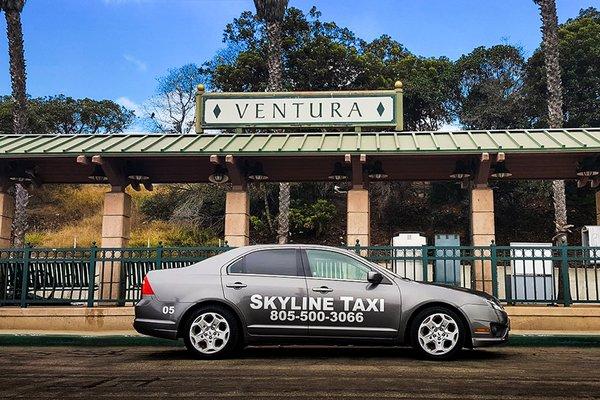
[267, 262]
[332, 265]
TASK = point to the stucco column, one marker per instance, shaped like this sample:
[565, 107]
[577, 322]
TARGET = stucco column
[237, 218]
[598, 208]
[359, 217]
[482, 233]
[116, 228]
[7, 214]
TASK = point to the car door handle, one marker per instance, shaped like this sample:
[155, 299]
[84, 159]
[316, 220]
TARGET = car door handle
[237, 285]
[322, 289]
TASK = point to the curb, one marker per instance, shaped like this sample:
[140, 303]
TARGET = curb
[28, 340]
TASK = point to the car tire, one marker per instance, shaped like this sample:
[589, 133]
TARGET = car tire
[438, 333]
[212, 332]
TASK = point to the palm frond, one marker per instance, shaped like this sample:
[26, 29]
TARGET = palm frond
[12, 5]
[270, 10]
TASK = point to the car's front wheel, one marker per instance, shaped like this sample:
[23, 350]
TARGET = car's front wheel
[438, 333]
[212, 332]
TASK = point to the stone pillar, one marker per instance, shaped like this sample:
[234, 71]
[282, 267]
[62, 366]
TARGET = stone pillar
[7, 213]
[116, 228]
[482, 233]
[237, 218]
[598, 208]
[359, 217]
[116, 224]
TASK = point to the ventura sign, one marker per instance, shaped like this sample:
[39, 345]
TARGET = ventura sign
[324, 109]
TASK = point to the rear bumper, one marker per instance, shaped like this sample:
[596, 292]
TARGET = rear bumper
[157, 328]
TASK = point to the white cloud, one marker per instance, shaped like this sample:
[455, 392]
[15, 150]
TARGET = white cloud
[130, 104]
[139, 64]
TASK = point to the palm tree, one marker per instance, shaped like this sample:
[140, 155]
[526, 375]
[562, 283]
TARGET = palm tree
[555, 103]
[272, 12]
[12, 11]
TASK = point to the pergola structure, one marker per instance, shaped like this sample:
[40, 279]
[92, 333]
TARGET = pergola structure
[474, 157]
[471, 157]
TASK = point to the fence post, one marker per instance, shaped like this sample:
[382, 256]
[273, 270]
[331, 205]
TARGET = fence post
[564, 270]
[92, 275]
[494, 262]
[25, 274]
[357, 247]
[159, 255]
[425, 262]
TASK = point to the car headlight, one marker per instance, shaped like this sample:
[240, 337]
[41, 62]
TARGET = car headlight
[494, 305]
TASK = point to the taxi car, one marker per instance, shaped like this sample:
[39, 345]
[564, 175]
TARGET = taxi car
[311, 294]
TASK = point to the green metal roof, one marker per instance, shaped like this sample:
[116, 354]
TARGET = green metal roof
[533, 140]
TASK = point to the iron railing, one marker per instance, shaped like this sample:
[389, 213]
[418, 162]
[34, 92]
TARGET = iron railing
[104, 276]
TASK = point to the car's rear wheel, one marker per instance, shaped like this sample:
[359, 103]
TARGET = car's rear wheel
[212, 332]
[438, 333]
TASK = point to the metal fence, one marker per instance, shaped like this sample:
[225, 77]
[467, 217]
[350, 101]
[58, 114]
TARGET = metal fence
[514, 274]
[102, 276]
[86, 276]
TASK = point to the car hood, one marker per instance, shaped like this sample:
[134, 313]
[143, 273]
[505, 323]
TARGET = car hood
[479, 293]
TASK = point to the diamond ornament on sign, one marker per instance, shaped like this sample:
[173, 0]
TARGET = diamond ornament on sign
[380, 108]
[217, 111]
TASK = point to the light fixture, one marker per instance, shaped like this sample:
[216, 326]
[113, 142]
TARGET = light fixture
[376, 171]
[136, 174]
[338, 173]
[219, 174]
[500, 171]
[461, 171]
[587, 167]
[20, 174]
[98, 174]
[256, 172]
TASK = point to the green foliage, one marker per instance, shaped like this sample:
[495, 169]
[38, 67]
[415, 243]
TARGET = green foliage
[311, 219]
[65, 115]
[490, 83]
[579, 41]
[320, 55]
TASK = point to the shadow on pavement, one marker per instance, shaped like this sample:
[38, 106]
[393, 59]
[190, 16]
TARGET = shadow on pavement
[329, 352]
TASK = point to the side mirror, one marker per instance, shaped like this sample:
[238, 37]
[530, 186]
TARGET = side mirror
[374, 277]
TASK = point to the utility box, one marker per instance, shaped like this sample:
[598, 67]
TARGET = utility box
[408, 261]
[447, 262]
[590, 237]
[532, 272]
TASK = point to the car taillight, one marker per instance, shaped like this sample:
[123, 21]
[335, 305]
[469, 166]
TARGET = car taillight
[146, 288]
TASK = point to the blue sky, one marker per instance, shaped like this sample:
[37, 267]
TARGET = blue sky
[115, 49]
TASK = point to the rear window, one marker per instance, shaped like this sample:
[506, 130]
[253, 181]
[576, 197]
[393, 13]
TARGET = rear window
[267, 262]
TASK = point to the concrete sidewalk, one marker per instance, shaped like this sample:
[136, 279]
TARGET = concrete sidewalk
[538, 321]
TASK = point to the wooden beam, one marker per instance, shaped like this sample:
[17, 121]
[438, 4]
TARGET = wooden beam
[482, 170]
[358, 177]
[237, 178]
[83, 160]
[114, 171]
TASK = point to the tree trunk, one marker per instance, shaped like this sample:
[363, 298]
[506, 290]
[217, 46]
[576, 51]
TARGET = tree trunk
[18, 76]
[16, 54]
[555, 102]
[275, 84]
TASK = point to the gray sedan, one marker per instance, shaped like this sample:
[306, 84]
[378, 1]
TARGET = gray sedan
[311, 294]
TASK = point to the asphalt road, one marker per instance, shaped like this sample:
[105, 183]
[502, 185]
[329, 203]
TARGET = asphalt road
[298, 373]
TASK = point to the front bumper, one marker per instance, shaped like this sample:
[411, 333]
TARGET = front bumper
[489, 327]
[491, 340]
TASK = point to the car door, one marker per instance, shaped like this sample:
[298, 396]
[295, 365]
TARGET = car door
[268, 286]
[346, 304]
